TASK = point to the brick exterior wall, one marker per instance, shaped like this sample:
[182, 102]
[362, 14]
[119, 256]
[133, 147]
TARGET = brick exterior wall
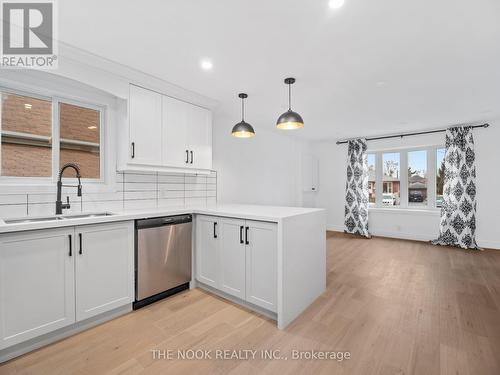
[32, 160]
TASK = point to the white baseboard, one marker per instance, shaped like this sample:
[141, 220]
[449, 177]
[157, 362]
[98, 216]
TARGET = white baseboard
[335, 228]
[62, 333]
[415, 237]
[238, 301]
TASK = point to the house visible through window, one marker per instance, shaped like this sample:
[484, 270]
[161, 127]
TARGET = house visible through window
[417, 178]
[371, 179]
[29, 147]
[410, 189]
[79, 140]
[26, 136]
[391, 179]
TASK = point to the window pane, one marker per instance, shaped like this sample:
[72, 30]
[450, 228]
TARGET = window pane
[80, 139]
[439, 176]
[26, 136]
[371, 178]
[417, 178]
[391, 179]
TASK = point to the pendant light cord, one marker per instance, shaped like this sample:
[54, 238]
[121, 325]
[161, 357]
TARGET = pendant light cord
[242, 109]
[289, 96]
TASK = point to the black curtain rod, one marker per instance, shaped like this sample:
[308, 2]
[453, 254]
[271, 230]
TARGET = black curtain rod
[410, 134]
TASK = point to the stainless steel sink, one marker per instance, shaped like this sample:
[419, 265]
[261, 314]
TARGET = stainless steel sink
[91, 214]
[33, 219]
[55, 218]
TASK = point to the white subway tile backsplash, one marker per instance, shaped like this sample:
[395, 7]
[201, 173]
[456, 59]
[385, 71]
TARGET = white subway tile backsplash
[169, 178]
[133, 191]
[171, 194]
[13, 210]
[139, 204]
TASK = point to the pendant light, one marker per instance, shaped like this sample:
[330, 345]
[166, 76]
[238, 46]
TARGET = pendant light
[290, 119]
[243, 129]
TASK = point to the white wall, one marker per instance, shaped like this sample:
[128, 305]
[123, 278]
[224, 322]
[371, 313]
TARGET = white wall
[264, 169]
[412, 224]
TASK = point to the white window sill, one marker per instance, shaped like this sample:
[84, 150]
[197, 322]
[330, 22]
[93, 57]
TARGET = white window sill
[406, 210]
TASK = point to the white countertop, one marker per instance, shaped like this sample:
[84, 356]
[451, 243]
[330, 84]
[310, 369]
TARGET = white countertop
[251, 212]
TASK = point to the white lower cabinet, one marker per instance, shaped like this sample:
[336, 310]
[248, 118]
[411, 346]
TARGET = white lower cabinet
[37, 284]
[207, 250]
[239, 257]
[261, 264]
[48, 281]
[104, 268]
[232, 257]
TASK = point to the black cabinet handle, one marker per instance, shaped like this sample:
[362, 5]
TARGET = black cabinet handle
[187, 156]
[246, 236]
[133, 150]
[70, 244]
[80, 238]
[192, 157]
[215, 232]
[241, 234]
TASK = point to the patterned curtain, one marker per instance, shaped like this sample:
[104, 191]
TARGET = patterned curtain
[356, 190]
[458, 213]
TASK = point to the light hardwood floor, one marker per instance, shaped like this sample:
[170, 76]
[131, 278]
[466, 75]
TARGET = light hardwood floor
[399, 307]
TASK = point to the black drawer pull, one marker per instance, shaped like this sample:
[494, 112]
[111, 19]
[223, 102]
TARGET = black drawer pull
[241, 234]
[133, 150]
[246, 236]
[191, 157]
[187, 156]
[70, 237]
[80, 238]
[215, 232]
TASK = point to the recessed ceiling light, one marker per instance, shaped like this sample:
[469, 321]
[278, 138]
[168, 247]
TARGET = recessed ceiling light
[27, 106]
[381, 83]
[335, 4]
[92, 127]
[206, 64]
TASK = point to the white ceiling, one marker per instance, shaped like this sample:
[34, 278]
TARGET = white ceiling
[371, 67]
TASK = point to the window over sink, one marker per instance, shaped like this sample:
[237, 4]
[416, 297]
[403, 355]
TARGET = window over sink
[41, 133]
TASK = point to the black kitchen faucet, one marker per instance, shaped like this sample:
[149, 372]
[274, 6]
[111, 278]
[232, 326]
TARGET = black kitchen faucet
[59, 204]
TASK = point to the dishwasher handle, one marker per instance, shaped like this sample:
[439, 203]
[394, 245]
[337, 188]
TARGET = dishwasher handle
[162, 221]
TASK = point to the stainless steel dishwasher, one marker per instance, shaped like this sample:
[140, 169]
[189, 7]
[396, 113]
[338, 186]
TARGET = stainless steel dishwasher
[162, 258]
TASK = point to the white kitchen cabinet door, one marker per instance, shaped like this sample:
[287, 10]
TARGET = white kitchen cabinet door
[175, 132]
[104, 267]
[37, 293]
[232, 257]
[145, 132]
[261, 264]
[207, 249]
[200, 137]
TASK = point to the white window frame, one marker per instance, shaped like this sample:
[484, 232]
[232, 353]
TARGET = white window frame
[55, 149]
[403, 176]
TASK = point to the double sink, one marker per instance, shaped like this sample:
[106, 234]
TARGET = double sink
[56, 217]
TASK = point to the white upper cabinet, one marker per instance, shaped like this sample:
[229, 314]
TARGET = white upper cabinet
[145, 128]
[200, 137]
[166, 133]
[175, 132]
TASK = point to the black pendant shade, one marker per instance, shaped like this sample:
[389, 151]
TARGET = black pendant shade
[243, 129]
[290, 119]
